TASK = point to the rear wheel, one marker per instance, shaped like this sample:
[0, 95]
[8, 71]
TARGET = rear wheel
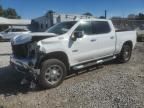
[125, 54]
[52, 73]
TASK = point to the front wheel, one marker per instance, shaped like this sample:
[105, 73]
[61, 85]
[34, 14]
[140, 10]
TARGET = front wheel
[52, 73]
[125, 54]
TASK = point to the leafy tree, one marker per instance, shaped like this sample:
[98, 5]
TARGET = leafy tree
[1, 11]
[88, 14]
[140, 16]
[10, 13]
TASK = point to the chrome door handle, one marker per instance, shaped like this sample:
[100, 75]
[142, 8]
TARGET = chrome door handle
[93, 40]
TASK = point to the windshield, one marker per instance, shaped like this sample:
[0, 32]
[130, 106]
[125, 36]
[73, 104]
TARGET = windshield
[61, 28]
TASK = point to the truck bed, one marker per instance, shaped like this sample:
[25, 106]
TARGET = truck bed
[122, 36]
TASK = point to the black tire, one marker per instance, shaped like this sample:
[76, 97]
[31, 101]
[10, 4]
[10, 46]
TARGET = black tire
[50, 70]
[125, 54]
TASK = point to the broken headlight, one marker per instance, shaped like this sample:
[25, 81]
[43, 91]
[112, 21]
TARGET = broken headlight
[33, 49]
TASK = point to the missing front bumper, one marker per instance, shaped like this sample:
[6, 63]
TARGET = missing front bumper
[23, 66]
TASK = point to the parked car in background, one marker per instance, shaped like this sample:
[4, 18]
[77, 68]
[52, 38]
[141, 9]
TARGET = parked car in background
[11, 32]
[49, 56]
[140, 33]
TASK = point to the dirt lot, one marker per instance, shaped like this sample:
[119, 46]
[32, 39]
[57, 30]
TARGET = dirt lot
[113, 86]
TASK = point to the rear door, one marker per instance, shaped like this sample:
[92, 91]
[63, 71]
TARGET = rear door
[103, 39]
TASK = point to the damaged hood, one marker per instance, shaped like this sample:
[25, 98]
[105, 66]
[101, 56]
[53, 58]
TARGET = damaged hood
[31, 37]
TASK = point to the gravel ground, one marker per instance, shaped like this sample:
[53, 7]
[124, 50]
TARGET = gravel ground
[112, 86]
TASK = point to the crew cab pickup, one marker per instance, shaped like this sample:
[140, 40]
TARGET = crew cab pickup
[70, 45]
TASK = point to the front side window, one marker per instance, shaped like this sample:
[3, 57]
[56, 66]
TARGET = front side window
[100, 27]
[61, 28]
[13, 30]
[85, 27]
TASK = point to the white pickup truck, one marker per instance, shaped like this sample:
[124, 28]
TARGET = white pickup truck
[49, 56]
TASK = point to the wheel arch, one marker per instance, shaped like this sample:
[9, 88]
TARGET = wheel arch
[60, 55]
[120, 56]
[129, 42]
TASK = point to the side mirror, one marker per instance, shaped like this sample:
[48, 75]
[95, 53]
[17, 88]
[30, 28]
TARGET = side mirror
[77, 34]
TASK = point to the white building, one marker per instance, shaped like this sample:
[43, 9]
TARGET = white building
[50, 18]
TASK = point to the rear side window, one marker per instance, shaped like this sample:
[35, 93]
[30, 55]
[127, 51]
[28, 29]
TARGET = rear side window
[14, 30]
[100, 27]
[86, 27]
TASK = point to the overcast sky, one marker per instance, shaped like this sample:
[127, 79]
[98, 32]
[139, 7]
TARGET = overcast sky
[34, 8]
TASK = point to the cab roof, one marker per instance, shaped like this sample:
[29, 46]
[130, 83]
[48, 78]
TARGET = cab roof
[93, 19]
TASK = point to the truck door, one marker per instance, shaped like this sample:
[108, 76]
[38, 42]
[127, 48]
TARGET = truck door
[103, 39]
[83, 49]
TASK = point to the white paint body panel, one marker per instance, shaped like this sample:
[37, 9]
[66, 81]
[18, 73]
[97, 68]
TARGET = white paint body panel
[122, 37]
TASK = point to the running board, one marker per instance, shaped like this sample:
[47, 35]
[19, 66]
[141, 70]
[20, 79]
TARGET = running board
[93, 63]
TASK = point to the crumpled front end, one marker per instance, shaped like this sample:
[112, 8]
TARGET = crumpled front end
[25, 63]
[26, 53]
[24, 57]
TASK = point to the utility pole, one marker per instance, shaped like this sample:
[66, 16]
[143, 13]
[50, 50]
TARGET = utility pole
[105, 14]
